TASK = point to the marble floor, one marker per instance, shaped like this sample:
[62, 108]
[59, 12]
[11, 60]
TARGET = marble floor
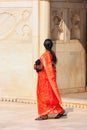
[19, 116]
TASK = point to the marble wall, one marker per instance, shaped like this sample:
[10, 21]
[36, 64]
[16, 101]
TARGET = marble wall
[68, 31]
[67, 21]
[18, 37]
[23, 27]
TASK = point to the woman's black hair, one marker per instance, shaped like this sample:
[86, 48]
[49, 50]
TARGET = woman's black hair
[48, 44]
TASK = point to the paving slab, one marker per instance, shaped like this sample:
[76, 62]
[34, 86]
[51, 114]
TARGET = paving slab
[20, 116]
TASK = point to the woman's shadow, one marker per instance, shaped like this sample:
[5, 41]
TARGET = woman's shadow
[67, 111]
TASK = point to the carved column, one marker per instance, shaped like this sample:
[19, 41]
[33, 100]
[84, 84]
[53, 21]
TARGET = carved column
[35, 45]
[44, 22]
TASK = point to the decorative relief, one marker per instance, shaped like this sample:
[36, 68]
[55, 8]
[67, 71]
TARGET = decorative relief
[26, 31]
[57, 23]
[26, 14]
[7, 24]
[75, 24]
[16, 24]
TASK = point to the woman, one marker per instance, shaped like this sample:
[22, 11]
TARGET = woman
[48, 96]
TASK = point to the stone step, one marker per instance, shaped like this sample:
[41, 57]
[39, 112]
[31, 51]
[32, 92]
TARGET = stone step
[76, 100]
[74, 104]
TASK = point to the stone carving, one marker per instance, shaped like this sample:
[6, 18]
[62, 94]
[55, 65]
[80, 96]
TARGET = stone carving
[16, 24]
[57, 27]
[75, 25]
[26, 32]
[7, 24]
[24, 26]
[26, 14]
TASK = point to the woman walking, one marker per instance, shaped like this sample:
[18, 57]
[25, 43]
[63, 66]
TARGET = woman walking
[48, 96]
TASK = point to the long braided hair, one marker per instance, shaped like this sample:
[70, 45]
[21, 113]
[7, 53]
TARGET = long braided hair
[48, 44]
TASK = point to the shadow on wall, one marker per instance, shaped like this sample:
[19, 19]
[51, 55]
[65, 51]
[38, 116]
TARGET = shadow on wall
[67, 24]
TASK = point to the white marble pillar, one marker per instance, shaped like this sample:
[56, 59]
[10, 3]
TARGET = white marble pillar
[44, 22]
[35, 45]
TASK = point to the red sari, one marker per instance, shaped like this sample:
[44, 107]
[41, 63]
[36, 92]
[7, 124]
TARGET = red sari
[48, 96]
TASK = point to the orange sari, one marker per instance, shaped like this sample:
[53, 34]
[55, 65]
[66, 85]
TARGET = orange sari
[48, 96]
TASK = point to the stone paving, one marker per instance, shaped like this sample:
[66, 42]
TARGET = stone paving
[20, 116]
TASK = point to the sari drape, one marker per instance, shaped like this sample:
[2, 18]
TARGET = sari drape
[48, 96]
